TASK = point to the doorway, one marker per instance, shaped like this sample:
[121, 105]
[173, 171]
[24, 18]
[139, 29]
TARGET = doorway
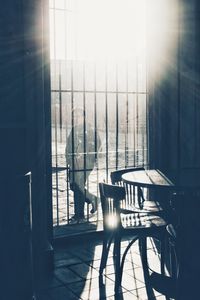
[98, 63]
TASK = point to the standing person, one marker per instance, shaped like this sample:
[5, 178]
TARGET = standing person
[80, 157]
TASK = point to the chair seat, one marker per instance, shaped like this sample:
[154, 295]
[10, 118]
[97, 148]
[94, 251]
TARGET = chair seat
[141, 221]
[152, 206]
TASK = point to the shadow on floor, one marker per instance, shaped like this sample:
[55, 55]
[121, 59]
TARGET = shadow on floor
[76, 274]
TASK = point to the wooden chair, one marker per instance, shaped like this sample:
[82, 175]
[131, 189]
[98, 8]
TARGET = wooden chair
[135, 196]
[139, 225]
[139, 200]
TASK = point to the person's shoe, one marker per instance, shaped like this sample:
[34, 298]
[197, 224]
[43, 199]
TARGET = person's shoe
[94, 206]
[77, 219]
[74, 219]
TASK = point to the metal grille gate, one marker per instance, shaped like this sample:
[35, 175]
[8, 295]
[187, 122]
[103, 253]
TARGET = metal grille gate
[113, 98]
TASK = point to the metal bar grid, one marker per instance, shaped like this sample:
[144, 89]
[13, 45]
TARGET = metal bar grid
[108, 151]
[116, 123]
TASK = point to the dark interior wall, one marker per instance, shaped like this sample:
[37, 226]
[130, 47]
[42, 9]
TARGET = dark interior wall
[174, 92]
[12, 100]
[189, 110]
[25, 131]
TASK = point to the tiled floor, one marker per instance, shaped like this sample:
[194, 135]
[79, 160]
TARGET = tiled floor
[76, 274]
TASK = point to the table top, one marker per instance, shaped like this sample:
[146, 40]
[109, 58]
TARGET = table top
[188, 178]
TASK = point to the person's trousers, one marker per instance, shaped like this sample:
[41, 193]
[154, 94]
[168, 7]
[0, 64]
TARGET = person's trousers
[79, 203]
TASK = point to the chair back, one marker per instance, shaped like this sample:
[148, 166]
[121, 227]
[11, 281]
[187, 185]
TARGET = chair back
[116, 176]
[132, 193]
[110, 196]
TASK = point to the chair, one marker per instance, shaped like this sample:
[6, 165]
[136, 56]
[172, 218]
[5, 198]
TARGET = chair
[135, 198]
[140, 225]
[137, 201]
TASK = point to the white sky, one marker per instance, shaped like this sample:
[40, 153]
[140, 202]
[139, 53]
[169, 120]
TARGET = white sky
[98, 29]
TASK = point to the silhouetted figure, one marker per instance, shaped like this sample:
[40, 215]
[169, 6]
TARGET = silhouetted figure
[81, 158]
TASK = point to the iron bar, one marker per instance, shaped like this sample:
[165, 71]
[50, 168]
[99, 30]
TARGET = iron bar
[106, 115]
[102, 92]
[84, 137]
[60, 100]
[137, 117]
[126, 123]
[117, 118]
[95, 128]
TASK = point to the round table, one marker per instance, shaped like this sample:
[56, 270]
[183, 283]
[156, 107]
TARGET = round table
[185, 185]
[185, 180]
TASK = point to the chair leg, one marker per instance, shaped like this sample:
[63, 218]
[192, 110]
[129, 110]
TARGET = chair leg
[117, 261]
[173, 261]
[162, 255]
[145, 266]
[124, 256]
[143, 253]
[104, 255]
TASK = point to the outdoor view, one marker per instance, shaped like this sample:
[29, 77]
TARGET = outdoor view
[98, 79]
